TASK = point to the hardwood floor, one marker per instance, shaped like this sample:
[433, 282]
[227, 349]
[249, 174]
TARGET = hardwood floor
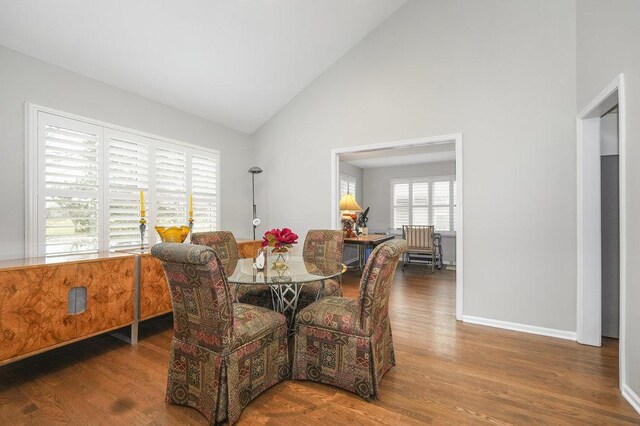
[447, 373]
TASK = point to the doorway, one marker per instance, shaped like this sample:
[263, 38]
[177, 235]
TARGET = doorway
[597, 231]
[456, 140]
[610, 225]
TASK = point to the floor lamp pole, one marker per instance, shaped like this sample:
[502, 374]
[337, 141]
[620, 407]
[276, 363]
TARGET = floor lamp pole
[253, 198]
[255, 222]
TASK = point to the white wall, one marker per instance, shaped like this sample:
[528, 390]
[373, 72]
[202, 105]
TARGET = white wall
[608, 37]
[25, 79]
[503, 73]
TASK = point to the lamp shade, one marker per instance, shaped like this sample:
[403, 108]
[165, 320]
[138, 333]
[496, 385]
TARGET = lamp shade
[348, 202]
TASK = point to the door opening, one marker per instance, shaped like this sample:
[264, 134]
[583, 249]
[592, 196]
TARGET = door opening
[456, 140]
[610, 227]
[601, 242]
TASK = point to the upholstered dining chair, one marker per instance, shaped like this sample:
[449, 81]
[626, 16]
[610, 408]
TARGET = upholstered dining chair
[347, 342]
[222, 242]
[226, 247]
[223, 354]
[421, 239]
[322, 244]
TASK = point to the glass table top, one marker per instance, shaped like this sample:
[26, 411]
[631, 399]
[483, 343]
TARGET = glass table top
[299, 270]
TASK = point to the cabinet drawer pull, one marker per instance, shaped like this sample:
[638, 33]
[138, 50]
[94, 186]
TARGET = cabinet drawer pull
[77, 300]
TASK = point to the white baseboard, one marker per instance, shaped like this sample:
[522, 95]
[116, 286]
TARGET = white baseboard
[524, 328]
[631, 397]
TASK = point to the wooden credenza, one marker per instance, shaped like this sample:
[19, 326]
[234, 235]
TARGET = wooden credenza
[37, 312]
[249, 248]
[40, 310]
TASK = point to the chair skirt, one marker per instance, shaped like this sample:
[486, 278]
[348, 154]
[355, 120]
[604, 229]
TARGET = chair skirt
[351, 362]
[219, 386]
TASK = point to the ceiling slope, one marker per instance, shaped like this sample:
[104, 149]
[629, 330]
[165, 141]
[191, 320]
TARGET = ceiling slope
[233, 62]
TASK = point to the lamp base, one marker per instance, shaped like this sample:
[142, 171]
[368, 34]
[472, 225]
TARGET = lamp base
[348, 226]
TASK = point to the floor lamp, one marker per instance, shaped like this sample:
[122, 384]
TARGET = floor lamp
[254, 171]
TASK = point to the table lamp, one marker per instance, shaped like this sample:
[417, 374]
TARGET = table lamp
[348, 206]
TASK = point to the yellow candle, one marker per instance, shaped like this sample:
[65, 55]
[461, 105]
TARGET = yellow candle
[191, 205]
[142, 211]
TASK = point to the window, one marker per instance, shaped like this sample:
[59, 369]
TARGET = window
[347, 185]
[87, 179]
[424, 201]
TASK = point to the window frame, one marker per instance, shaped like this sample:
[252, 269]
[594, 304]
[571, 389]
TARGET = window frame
[430, 179]
[35, 245]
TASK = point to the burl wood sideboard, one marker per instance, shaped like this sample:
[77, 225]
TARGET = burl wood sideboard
[50, 302]
[39, 311]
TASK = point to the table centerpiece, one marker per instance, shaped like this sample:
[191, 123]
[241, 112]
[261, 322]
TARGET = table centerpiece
[281, 242]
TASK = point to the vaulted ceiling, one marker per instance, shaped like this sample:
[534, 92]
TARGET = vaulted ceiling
[235, 62]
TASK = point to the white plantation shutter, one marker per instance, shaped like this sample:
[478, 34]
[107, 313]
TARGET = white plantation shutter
[424, 201]
[171, 187]
[420, 203]
[128, 175]
[86, 179]
[68, 185]
[347, 185]
[440, 193]
[401, 205]
[441, 205]
[204, 172]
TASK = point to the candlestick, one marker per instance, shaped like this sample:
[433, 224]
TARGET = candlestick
[142, 210]
[191, 205]
[143, 228]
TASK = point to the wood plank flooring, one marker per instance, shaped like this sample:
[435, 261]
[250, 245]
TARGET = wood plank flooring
[447, 373]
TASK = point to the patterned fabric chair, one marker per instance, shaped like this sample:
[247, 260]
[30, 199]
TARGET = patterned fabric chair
[346, 342]
[421, 239]
[324, 244]
[222, 242]
[223, 354]
[226, 247]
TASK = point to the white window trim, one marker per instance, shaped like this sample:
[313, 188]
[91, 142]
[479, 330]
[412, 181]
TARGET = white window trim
[32, 248]
[451, 178]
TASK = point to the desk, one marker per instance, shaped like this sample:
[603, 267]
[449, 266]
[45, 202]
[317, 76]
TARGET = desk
[363, 241]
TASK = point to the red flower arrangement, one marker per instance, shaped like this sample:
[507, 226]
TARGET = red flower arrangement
[280, 240]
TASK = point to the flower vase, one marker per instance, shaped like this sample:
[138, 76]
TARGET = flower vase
[281, 258]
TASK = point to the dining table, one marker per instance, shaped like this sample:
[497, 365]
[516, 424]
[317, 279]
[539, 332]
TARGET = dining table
[285, 281]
